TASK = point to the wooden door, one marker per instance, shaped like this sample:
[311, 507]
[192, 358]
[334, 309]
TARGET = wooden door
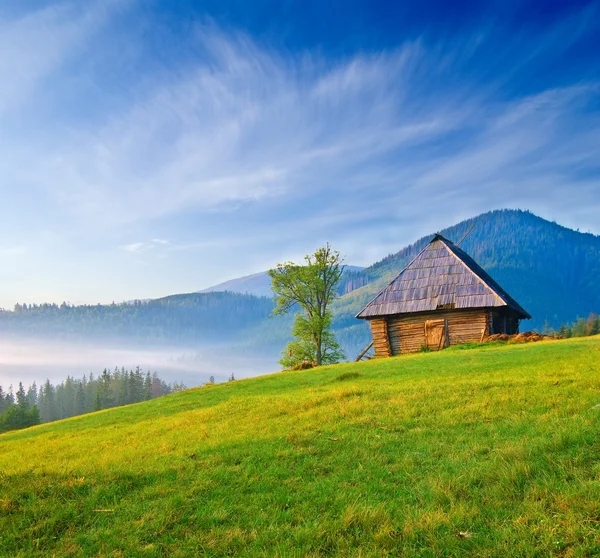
[435, 334]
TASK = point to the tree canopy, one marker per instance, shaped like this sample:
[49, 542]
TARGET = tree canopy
[309, 287]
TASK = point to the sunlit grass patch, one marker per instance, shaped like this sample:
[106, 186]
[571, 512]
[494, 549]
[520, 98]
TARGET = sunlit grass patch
[483, 452]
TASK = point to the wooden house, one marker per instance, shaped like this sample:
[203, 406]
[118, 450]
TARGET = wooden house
[441, 298]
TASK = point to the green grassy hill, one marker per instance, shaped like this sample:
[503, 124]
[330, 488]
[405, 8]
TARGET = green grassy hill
[490, 451]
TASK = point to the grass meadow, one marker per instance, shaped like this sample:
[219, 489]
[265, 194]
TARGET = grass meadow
[487, 451]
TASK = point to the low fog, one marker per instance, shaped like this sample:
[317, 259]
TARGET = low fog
[29, 360]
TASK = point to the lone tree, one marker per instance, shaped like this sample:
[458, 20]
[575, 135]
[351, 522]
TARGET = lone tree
[310, 286]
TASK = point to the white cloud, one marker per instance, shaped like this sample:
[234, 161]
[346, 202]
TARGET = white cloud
[136, 247]
[258, 151]
[154, 244]
[242, 125]
[35, 46]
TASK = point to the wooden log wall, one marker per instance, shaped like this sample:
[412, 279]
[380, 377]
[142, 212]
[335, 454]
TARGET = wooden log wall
[468, 327]
[381, 341]
[406, 336]
[407, 333]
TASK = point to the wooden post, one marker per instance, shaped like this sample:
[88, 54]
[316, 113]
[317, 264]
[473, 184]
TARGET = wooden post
[364, 352]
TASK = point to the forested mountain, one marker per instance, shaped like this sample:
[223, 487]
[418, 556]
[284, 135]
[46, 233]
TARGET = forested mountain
[186, 319]
[552, 271]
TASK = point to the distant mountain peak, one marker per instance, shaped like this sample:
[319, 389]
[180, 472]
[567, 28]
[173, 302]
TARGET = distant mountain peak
[257, 284]
[551, 269]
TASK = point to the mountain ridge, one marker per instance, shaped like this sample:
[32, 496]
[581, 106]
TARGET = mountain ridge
[551, 271]
[487, 244]
[258, 284]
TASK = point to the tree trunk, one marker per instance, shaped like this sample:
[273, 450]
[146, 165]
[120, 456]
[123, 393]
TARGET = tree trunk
[319, 352]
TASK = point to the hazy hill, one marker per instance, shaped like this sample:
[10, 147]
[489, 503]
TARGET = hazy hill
[484, 452]
[259, 284]
[187, 318]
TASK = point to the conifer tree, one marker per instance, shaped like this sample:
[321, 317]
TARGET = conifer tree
[69, 397]
[32, 394]
[4, 403]
[147, 386]
[90, 393]
[123, 397]
[22, 397]
[79, 407]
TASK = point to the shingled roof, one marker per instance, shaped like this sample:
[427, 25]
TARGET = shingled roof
[441, 276]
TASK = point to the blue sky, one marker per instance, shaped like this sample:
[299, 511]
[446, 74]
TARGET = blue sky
[149, 148]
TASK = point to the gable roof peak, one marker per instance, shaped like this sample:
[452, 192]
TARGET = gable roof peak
[438, 236]
[442, 274]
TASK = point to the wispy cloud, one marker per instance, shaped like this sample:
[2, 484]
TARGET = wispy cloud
[36, 46]
[154, 244]
[245, 124]
[268, 152]
[136, 247]
[162, 245]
